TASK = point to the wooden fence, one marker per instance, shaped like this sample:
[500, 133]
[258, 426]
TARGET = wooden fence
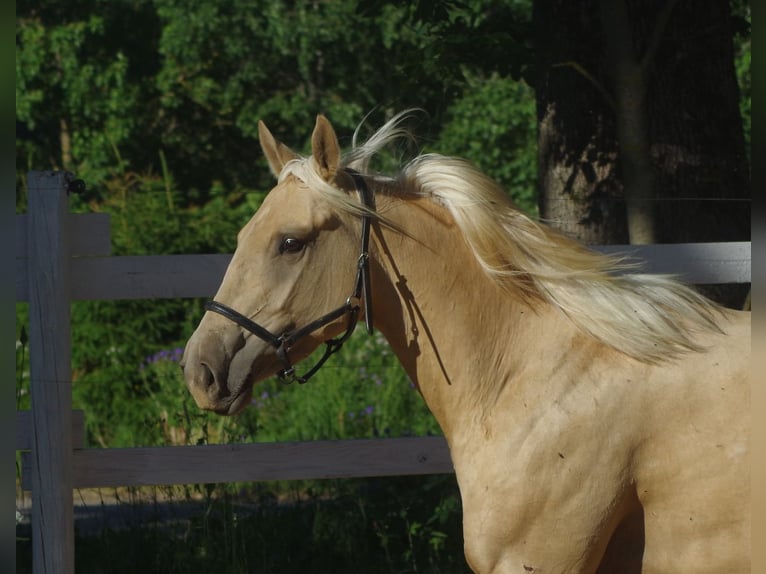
[63, 257]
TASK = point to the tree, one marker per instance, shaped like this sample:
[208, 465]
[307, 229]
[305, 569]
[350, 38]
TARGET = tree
[640, 133]
[77, 92]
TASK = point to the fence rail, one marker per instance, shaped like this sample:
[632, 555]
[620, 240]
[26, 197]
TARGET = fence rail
[63, 257]
[179, 276]
[112, 467]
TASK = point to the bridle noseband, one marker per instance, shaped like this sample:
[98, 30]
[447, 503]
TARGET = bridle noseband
[282, 343]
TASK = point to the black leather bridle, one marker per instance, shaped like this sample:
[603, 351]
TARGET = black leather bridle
[361, 294]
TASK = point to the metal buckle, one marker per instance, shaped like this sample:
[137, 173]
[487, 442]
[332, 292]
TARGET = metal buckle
[287, 376]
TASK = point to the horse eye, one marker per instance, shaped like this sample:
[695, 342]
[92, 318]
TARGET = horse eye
[291, 245]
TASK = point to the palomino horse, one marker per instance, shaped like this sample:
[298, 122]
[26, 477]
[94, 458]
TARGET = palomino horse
[597, 418]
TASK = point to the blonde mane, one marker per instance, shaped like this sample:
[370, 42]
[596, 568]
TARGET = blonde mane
[649, 317]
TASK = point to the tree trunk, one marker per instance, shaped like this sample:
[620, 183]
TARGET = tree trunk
[628, 78]
[579, 188]
[640, 135]
[697, 142]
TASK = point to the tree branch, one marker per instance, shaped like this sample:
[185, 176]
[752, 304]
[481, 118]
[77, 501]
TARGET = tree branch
[654, 42]
[588, 76]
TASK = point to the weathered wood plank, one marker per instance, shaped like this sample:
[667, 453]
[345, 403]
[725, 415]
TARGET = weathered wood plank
[697, 263]
[50, 373]
[148, 276]
[139, 277]
[170, 276]
[256, 462]
[25, 438]
[89, 235]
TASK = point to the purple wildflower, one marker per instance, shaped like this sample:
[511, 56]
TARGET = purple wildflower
[174, 355]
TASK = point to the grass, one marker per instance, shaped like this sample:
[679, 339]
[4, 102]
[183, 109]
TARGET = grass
[406, 524]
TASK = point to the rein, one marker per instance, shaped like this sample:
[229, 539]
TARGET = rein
[362, 293]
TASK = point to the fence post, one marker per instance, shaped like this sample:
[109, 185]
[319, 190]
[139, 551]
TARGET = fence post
[50, 373]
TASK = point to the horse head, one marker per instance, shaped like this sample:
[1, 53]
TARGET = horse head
[296, 260]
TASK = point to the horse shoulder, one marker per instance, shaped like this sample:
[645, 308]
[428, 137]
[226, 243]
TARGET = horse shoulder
[553, 463]
[691, 465]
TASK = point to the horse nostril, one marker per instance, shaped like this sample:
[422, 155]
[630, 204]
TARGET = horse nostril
[206, 378]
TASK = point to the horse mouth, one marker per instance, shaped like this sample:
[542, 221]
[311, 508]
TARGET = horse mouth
[236, 405]
[216, 393]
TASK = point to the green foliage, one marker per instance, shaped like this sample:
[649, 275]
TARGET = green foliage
[90, 95]
[742, 62]
[487, 36]
[75, 100]
[493, 125]
[360, 393]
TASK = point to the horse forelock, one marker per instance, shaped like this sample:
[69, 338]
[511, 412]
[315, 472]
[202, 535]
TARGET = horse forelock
[357, 159]
[649, 317]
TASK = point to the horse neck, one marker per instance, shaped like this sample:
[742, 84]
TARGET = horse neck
[460, 337]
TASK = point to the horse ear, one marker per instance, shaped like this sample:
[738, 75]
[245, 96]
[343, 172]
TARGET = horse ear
[277, 153]
[325, 148]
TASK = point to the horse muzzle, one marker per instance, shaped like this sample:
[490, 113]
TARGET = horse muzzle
[218, 375]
